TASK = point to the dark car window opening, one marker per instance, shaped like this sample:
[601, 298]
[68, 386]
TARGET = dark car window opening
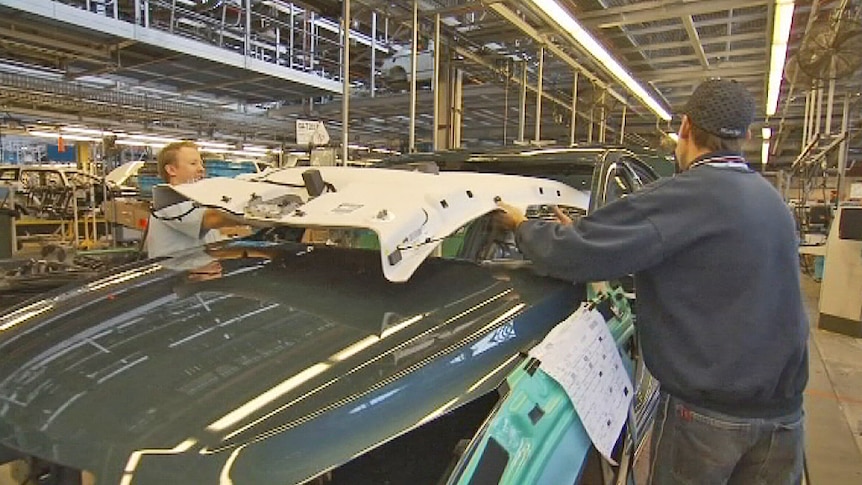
[420, 456]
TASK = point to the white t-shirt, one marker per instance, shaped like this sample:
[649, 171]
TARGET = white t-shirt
[170, 236]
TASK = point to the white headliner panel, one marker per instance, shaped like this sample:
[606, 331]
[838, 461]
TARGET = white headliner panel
[410, 211]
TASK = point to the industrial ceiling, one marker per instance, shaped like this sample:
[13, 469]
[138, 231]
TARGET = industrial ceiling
[187, 68]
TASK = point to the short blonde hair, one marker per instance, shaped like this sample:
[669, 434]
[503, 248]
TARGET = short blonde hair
[168, 156]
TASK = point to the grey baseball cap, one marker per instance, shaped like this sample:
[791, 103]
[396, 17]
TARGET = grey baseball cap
[721, 107]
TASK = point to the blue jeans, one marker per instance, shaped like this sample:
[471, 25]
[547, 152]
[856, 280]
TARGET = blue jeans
[692, 445]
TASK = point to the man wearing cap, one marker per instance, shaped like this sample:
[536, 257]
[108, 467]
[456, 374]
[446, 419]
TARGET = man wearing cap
[720, 313]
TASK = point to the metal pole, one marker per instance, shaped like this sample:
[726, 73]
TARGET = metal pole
[811, 129]
[819, 109]
[414, 50]
[435, 135]
[146, 13]
[538, 134]
[830, 100]
[574, 109]
[590, 129]
[458, 114]
[806, 119]
[623, 125]
[312, 39]
[345, 78]
[137, 12]
[290, 51]
[116, 7]
[373, 50]
[603, 121]
[247, 28]
[842, 151]
[506, 108]
[522, 120]
[277, 44]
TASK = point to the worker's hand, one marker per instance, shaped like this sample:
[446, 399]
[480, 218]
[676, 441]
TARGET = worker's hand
[509, 217]
[561, 216]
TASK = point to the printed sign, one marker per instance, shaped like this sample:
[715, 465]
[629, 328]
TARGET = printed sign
[311, 132]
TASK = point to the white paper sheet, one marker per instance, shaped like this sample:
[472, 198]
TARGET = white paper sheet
[580, 354]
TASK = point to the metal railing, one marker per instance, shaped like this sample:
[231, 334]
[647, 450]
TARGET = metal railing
[274, 31]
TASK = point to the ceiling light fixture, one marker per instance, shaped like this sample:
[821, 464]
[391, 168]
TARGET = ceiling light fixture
[48, 134]
[780, 33]
[589, 44]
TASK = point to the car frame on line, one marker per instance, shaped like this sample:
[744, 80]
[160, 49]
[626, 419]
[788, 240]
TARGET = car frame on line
[360, 338]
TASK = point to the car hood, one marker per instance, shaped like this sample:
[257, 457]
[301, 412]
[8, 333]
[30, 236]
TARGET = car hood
[192, 370]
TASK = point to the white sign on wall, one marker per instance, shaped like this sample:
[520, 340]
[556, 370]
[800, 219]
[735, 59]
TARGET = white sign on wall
[311, 132]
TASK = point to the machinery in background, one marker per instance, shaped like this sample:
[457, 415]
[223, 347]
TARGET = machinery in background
[841, 291]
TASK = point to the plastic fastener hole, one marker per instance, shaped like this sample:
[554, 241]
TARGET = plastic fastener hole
[444, 204]
[470, 194]
[541, 190]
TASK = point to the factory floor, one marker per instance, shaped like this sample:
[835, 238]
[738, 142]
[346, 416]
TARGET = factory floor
[833, 402]
[833, 406]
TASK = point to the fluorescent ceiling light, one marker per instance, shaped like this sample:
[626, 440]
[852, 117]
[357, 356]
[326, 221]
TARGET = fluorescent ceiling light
[154, 139]
[86, 131]
[674, 137]
[766, 133]
[764, 152]
[212, 144]
[139, 143]
[780, 33]
[559, 15]
[48, 134]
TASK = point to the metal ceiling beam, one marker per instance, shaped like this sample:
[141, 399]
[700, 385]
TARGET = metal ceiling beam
[694, 38]
[664, 29]
[533, 33]
[659, 60]
[643, 12]
[64, 46]
[119, 67]
[685, 43]
[729, 69]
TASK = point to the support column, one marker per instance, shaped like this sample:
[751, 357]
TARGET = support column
[457, 107]
[345, 78]
[443, 101]
[522, 120]
[811, 112]
[830, 100]
[819, 115]
[623, 125]
[603, 121]
[842, 150]
[538, 133]
[290, 48]
[435, 133]
[574, 109]
[247, 27]
[373, 51]
[413, 52]
[805, 120]
[83, 155]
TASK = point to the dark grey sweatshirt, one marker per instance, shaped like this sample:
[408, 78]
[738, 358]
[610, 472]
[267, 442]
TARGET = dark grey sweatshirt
[714, 253]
